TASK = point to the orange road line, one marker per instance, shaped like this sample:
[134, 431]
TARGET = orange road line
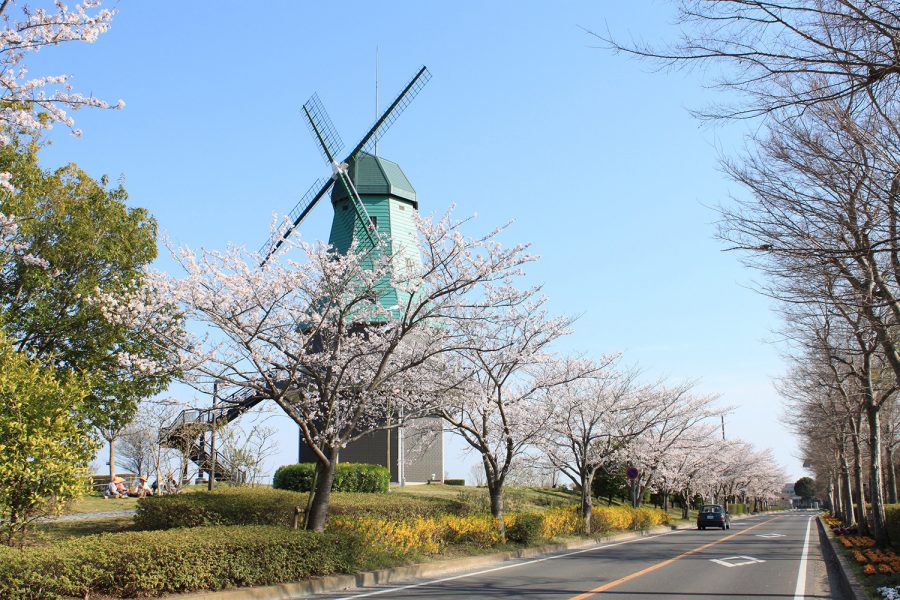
[635, 575]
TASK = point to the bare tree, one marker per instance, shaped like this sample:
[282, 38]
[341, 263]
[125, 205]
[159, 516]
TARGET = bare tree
[136, 447]
[247, 451]
[785, 56]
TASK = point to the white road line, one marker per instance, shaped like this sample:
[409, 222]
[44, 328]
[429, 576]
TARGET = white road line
[501, 568]
[800, 590]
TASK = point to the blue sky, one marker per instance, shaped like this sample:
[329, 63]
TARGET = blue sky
[593, 156]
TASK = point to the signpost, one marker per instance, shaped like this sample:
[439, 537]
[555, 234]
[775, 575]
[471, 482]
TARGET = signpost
[632, 475]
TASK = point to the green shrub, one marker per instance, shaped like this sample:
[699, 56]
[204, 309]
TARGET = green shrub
[526, 529]
[228, 506]
[395, 505]
[737, 509]
[155, 563]
[348, 477]
[265, 506]
[892, 521]
[454, 482]
[297, 478]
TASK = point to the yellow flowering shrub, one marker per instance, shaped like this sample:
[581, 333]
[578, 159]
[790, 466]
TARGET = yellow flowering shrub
[561, 522]
[610, 518]
[399, 537]
[429, 535]
[479, 530]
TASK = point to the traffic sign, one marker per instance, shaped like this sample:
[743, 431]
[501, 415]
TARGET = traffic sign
[631, 473]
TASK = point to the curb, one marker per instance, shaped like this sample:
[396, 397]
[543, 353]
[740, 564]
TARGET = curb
[849, 585]
[338, 583]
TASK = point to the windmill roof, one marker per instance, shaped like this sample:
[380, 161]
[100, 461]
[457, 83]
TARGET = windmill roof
[376, 176]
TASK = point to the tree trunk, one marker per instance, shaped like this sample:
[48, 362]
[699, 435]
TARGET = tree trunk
[891, 475]
[495, 489]
[859, 498]
[831, 494]
[876, 487]
[587, 505]
[836, 501]
[686, 504]
[112, 458]
[318, 508]
[848, 515]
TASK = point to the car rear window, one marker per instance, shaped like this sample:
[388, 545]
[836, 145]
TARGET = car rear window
[711, 509]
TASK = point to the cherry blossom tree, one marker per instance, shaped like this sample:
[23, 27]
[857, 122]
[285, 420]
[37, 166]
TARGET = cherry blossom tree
[687, 471]
[315, 336]
[501, 409]
[34, 104]
[592, 420]
[683, 422]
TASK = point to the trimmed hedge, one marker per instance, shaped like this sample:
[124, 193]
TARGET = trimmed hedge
[265, 506]
[141, 564]
[892, 522]
[737, 509]
[348, 477]
[228, 506]
[454, 482]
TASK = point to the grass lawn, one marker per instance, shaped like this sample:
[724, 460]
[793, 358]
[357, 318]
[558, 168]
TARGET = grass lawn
[99, 504]
[46, 533]
[515, 498]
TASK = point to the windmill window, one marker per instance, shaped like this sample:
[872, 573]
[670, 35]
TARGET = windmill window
[374, 222]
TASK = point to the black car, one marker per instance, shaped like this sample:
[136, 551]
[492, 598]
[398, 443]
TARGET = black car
[713, 515]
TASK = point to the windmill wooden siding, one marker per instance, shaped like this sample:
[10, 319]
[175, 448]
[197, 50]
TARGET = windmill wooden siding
[391, 200]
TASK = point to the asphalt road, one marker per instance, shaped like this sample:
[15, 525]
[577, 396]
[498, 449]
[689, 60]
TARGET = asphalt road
[765, 556]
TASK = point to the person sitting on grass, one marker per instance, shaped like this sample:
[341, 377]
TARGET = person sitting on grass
[114, 489]
[142, 488]
[121, 490]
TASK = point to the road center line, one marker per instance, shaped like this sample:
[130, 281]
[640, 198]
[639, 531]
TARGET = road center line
[800, 590]
[636, 574]
[504, 567]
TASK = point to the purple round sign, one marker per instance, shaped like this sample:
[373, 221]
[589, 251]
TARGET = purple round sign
[631, 473]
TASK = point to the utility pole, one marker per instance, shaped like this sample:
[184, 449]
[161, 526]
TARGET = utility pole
[212, 440]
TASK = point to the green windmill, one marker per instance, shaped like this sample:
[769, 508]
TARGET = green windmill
[374, 203]
[373, 200]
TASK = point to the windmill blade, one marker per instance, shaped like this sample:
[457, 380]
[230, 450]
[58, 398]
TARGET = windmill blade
[299, 212]
[393, 111]
[322, 129]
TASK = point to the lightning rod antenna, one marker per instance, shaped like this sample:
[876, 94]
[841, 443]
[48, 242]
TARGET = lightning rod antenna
[376, 93]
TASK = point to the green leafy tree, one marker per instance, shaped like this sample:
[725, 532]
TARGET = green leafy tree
[87, 242]
[805, 487]
[45, 444]
[610, 482]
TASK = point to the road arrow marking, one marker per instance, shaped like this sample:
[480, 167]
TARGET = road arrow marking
[769, 535]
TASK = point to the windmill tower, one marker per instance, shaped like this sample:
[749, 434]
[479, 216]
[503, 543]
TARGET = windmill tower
[374, 202]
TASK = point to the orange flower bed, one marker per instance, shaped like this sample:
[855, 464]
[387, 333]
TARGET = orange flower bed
[886, 569]
[869, 570]
[857, 541]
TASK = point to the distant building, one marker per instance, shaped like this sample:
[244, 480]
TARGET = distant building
[414, 453]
